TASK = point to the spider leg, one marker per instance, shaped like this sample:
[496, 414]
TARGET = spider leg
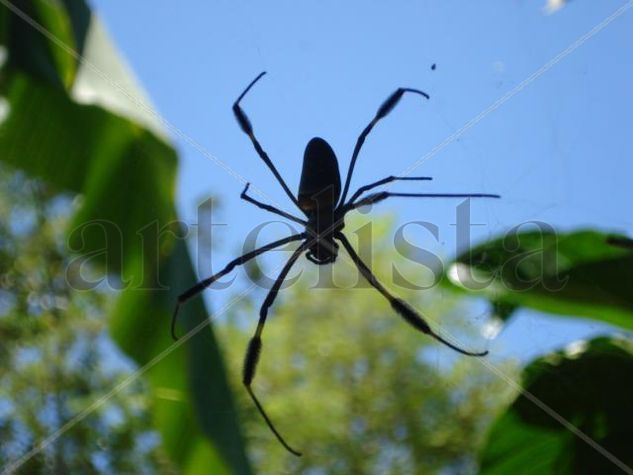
[247, 128]
[383, 195]
[270, 208]
[407, 312]
[383, 110]
[200, 286]
[255, 345]
[384, 181]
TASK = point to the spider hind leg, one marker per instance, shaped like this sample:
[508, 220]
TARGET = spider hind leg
[401, 307]
[255, 346]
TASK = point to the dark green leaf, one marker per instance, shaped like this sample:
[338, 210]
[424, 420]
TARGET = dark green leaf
[590, 385]
[571, 274]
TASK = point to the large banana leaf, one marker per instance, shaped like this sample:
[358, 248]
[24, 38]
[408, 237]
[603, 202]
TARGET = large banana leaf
[85, 127]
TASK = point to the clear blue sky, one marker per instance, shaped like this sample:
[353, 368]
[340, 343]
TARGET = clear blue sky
[559, 151]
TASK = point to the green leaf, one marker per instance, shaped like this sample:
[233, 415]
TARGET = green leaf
[35, 53]
[576, 274]
[117, 161]
[589, 385]
[54, 18]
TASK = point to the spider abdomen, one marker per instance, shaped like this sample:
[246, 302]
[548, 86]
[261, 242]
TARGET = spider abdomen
[320, 186]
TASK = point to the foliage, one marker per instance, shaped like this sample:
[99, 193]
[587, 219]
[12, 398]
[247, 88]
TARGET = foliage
[55, 353]
[579, 273]
[586, 273]
[84, 127]
[353, 386]
[587, 384]
[343, 378]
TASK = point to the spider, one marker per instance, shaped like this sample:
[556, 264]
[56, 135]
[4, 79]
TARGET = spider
[320, 200]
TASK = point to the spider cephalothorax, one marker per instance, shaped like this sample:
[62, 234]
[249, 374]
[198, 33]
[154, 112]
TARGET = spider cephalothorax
[324, 207]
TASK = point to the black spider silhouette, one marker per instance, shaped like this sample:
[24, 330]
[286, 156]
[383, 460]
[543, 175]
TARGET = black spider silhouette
[320, 200]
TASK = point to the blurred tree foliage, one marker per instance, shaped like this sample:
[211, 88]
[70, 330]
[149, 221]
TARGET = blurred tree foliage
[56, 355]
[72, 116]
[353, 386]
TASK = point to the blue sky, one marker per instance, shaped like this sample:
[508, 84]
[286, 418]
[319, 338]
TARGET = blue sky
[559, 151]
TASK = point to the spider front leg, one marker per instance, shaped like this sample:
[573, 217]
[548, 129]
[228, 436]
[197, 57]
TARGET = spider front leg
[383, 195]
[200, 286]
[400, 306]
[255, 346]
[384, 181]
[269, 208]
[382, 112]
[247, 128]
